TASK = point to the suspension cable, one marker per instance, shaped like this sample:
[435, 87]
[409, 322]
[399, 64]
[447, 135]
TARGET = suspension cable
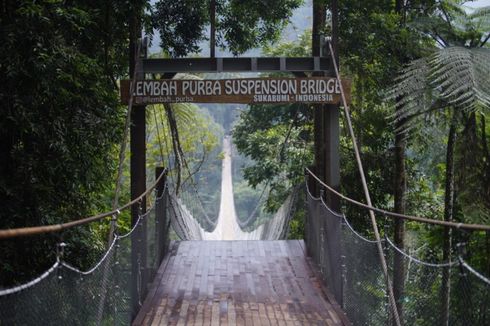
[158, 135]
[366, 191]
[122, 150]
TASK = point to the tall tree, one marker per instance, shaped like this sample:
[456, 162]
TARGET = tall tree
[240, 25]
[454, 78]
[60, 124]
[399, 191]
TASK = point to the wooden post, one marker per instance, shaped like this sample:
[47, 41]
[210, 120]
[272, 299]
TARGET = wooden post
[332, 178]
[327, 162]
[331, 130]
[317, 30]
[138, 171]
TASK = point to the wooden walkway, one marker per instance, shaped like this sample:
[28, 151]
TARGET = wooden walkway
[238, 283]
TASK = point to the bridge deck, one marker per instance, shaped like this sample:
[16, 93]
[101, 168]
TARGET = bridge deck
[238, 283]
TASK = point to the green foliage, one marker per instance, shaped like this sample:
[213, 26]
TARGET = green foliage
[373, 42]
[373, 47]
[277, 140]
[246, 199]
[200, 140]
[197, 130]
[181, 25]
[299, 48]
[297, 223]
[61, 123]
[240, 25]
[450, 83]
[455, 75]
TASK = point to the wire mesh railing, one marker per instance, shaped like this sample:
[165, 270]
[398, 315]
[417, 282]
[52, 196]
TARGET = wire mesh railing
[102, 295]
[182, 220]
[351, 270]
[190, 198]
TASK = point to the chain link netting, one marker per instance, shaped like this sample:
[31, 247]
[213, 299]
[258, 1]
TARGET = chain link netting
[65, 295]
[355, 266]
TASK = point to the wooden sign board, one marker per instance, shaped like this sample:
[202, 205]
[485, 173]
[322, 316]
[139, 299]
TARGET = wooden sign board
[246, 91]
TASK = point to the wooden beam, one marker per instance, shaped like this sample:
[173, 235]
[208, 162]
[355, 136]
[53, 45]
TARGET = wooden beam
[242, 64]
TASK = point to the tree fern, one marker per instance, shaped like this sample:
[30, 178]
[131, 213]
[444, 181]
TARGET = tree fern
[455, 76]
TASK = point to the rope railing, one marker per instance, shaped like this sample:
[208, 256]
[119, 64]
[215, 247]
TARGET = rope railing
[277, 227]
[387, 239]
[31, 283]
[365, 188]
[60, 263]
[463, 226]
[183, 222]
[473, 271]
[418, 261]
[28, 231]
[363, 289]
[100, 295]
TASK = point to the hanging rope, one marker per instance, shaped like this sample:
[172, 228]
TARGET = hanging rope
[366, 192]
[122, 150]
[158, 136]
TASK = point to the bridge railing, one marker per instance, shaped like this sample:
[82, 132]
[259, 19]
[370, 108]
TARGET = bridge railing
[349, 265]
[104, 294]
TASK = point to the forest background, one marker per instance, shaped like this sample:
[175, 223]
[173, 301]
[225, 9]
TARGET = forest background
[61, 122]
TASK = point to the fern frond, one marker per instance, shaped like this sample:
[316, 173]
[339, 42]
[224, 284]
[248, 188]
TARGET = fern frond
[185, 112]
[456, 76]
[463, 76]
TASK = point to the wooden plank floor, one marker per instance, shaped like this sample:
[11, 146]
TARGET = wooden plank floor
[237, 283]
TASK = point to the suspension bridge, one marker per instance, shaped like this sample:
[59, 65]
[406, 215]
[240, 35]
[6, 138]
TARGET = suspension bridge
[229, 270]
[333, 277]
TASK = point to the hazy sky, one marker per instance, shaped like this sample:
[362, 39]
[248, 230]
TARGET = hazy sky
[479, 3]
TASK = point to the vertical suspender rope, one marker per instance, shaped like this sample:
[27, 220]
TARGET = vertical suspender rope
[158, 136]
[115, 202]
[122, 152]
[366, 193]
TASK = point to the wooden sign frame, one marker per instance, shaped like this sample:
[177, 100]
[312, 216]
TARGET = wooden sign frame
[270, 90]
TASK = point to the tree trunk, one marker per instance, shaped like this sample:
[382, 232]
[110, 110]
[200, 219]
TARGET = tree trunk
[400, 180]
[399, 226]
[486, 155]
[486, 180]
[174, 132]
[448, 216]
[319, 16]
[137, 164]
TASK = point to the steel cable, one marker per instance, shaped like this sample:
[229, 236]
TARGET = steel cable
[366, 190]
